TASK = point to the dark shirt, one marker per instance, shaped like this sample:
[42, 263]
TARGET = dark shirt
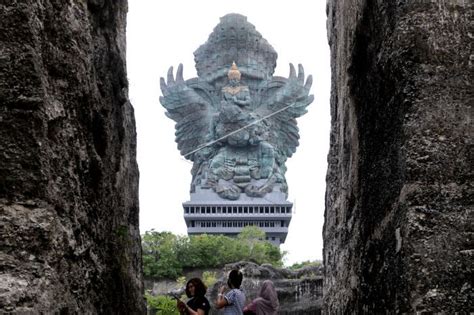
[199, 302]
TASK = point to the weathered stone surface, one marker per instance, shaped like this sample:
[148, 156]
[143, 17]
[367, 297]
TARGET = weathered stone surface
[299, 291]
[399, 225]
[69, 239]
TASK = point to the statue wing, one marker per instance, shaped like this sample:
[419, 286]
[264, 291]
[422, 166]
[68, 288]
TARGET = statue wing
[191, 105]
[282, 101]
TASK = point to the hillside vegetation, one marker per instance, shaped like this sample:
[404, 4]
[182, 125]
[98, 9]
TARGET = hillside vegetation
[166, 255]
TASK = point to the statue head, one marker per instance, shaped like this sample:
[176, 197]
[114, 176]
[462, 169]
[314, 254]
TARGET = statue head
[234, 74]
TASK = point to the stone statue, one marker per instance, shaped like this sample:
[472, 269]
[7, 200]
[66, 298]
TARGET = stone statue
[236, 122]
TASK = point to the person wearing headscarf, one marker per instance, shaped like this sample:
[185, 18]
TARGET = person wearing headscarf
[266, 302]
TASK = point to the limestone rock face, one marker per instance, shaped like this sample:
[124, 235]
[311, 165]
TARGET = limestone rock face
[299, 291]
[69, 238]
[398, 220]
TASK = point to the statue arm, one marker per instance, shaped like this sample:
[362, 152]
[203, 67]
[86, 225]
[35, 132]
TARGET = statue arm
[245, 100]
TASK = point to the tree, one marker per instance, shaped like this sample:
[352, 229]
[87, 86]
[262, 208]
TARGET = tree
[251, 233]
[165, 254]
[160, 257]
[253, 237]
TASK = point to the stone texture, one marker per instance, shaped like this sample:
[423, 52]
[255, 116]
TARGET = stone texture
[299, 291]
[69, 238]
[399, 215]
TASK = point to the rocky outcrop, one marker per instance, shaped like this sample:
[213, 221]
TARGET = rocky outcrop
[299, 291]
[398, 220]
[69, 238]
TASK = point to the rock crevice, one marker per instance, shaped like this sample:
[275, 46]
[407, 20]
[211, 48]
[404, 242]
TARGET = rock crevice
[69, 233]
[397, 199]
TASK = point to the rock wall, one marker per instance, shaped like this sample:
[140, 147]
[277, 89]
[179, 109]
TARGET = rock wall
[299, 291]
[399, 216]
[69, 238]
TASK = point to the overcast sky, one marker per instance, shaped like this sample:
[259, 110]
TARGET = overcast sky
[161, 34]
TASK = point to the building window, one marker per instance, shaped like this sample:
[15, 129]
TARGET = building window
[273, 238]
[213, 209]
[192, 223]
[214, 224]
[267, 210]
[219, 209]
[260, 224]
[272, 210]
[282, 223]
[234, 209]
[250, 209]
[266, 223]
[272, 224]
[261, 209]
[203, 224]
[246, 210]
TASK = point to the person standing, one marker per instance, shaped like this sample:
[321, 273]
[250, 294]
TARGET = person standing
[266, 302]
[197, 304]
[232, 301]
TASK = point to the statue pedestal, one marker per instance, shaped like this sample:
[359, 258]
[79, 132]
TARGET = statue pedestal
[207, 213]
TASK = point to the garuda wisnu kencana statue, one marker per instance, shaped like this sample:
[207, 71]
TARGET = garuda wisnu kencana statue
[236, 122]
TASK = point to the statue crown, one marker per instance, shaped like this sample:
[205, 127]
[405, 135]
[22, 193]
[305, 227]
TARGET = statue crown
[234, 72]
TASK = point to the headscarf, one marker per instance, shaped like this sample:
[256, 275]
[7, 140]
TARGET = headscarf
[267, 301]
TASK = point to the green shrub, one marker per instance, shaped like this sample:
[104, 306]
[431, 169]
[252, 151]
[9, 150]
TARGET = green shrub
[307, 263]
[164, 305]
